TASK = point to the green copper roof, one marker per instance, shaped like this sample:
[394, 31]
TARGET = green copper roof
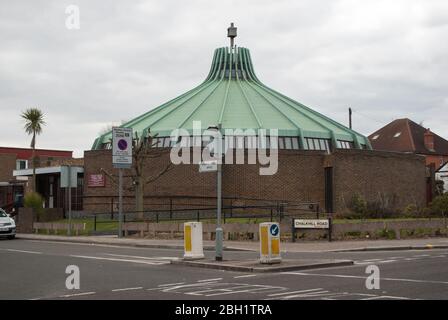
[232, 96]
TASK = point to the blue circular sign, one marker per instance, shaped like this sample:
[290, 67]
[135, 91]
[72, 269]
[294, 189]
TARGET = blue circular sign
[122, 144]
[274, 230]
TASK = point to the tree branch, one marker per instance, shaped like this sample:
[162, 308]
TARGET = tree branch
[169, 167]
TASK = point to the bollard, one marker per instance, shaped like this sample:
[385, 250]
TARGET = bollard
[270, 243]
[193, 245]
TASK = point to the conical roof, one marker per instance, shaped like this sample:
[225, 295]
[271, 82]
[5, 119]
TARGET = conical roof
[232, 96]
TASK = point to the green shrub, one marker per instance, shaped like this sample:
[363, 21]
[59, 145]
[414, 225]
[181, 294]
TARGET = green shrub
[359, 205]
[440, 205]
[353, 234]
[388, 234]
[35, 201]
[410, 211]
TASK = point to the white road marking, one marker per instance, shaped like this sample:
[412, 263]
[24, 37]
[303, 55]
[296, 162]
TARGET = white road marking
[183, 286]
[77, 294]
[142, 257]
[387, 261]
[95, 245]
[121, 260]
[22, 251]
[207, 280]
[245, 276]
[308, 295]
[252, 289]
[386, 297]
[170, 284]
[127, 289]
[360, 277]
[347, 294]
[180, 286]
[293, 292]
[225, 293]
[364, 262]
[422, 255]
[369, 260]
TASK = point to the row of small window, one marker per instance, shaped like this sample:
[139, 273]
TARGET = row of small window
[345, 144]
[286, 143]
[24, 164]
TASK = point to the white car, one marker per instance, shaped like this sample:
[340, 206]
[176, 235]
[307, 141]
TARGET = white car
[7, 225]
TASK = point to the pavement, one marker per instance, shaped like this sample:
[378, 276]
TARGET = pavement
[314, 246]
[37, 269]
[253, 265]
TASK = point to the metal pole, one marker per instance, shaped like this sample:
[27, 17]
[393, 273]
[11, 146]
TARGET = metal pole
[120, 203]
[69, 200]
[219, 232]
[350, 117]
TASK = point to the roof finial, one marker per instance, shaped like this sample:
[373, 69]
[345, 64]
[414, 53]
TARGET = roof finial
[231, 33]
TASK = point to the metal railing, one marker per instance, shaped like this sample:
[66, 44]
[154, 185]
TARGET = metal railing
[275, 212]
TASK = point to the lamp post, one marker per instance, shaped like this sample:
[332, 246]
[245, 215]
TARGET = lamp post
[219, 231]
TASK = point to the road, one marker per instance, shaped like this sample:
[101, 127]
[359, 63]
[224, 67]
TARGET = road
[36, 270]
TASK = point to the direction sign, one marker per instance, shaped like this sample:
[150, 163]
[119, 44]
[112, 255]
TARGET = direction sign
[208, 166]
[69, 177]
[274, 229]
[122, 147]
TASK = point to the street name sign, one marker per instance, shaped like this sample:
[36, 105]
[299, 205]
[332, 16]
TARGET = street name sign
[208, 166]
[311, 223]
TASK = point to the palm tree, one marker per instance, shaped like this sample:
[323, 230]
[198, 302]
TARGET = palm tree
[34, 120]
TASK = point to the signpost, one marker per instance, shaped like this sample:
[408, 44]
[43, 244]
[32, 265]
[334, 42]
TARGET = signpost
[69, 180]
[216, 166]
[121, 159]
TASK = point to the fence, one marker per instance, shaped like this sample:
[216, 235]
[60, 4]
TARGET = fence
[107, 222]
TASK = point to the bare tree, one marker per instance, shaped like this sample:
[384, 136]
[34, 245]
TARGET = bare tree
[144, 150]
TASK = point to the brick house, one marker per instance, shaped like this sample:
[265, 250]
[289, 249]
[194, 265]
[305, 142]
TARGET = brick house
[442, 175]
[404, 135]
[12, 188]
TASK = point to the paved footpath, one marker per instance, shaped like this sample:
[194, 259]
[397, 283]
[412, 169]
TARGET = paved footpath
[315, 246]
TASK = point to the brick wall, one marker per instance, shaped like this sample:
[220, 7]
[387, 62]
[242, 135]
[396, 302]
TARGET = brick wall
[394, 180]
[438, 160]
[300, 178]
[7, 165]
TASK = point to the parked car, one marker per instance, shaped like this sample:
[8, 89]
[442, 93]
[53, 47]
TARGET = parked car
[7, 225]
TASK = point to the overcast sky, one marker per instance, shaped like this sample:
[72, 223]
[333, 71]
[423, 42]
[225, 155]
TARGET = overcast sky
[386, 59]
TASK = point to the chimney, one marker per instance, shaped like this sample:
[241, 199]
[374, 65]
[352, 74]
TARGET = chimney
[429, 140]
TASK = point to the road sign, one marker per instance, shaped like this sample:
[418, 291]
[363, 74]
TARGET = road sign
[270, 242]
[122, 147]
[274, 229]
[208, 166]
[69, 177]
[311, 223]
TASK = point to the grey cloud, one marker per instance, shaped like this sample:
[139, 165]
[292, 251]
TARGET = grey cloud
[385, 59]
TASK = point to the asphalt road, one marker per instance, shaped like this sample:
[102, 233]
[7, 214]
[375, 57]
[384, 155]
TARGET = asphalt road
[36, 270]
